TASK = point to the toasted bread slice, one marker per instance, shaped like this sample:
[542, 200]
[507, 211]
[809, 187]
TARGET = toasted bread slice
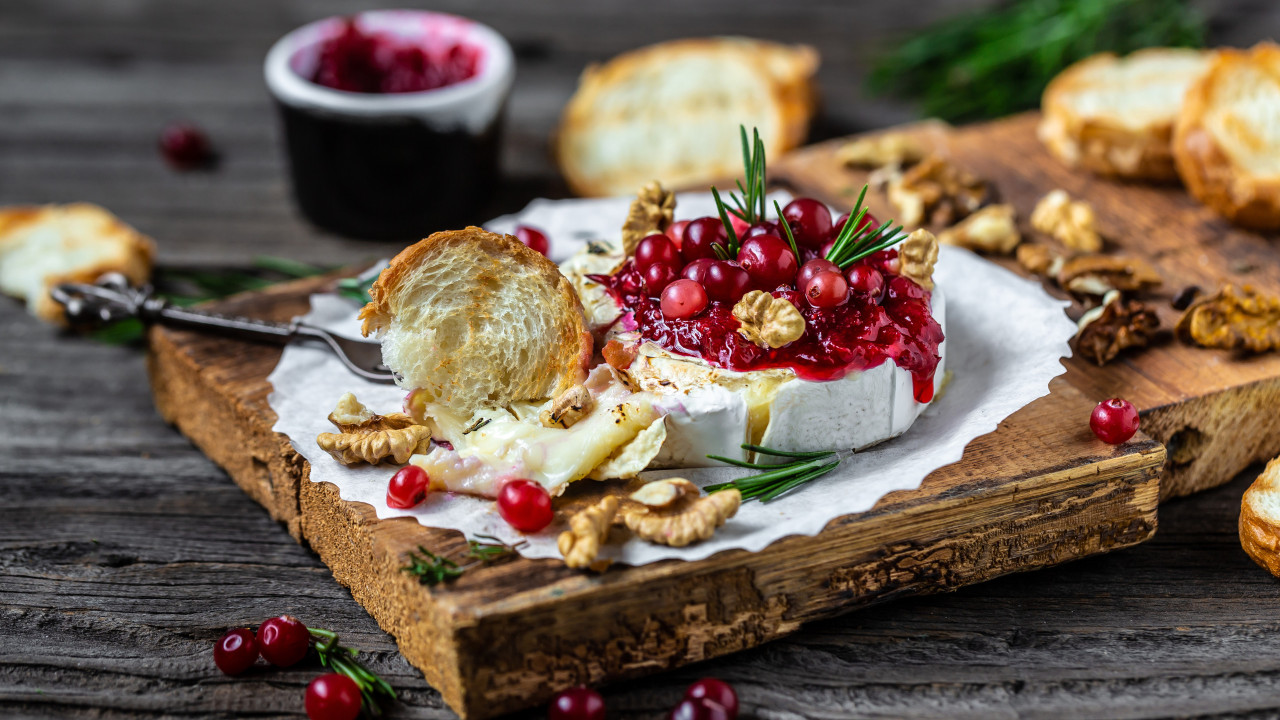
[1227, 142]
[1115, 116]
[671, 112]
[43, 246]
[1260, 519]
[473, 319]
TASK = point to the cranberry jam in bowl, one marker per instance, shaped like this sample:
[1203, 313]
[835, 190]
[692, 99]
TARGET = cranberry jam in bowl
[392, 119]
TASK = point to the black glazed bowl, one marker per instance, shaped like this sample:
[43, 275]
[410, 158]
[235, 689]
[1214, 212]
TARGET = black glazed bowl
[395, 166]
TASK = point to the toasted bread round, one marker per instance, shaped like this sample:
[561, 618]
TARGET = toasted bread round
[1227, 141]
[1260, 519]
[671, 112]
[475, 319]
[1115, 115]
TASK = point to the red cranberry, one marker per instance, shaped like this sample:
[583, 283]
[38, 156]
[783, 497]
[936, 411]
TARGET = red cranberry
[683, 299]
[407, 488]
[579, 703]
[810, 221]
[525, 505]
[717, 691]
[726, 282]
[236, 651]
[697, 270]
[769, 261]
[901, 288]
[813, 267]
[676, 232]
[333, 697]
[739, 225]
[867, 220]
[699, 709]
[699, 236]
[658, 277]
[283, 640]
[764, 227]
[865, 280]
[826, 289]
[657, 249]
[1114, 421]
[534, 238]
[185, 147]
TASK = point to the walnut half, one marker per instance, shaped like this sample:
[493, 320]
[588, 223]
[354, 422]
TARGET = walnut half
[918, 255]
[371, 438]
[651, 212]
[1070, 222]
[1100, 274]
[1114, 326]
[688, 520]
[935, 191]
[1233, 319]
[990, 230]
[768, 321]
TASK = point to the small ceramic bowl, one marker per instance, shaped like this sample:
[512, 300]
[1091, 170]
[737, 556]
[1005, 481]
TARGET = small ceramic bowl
[392, 166]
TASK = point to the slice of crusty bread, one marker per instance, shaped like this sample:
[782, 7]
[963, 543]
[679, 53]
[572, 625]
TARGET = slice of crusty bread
[1260, 519]
[1227, 142]
[42, 246]
[671, 112]
[475, 319]
[1115, 115]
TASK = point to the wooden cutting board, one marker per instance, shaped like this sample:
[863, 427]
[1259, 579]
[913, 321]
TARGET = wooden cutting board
[1216, 411]
[1037, 492]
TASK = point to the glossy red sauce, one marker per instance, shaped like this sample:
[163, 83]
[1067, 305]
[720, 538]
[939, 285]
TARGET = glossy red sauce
[357, 61]
[855, 336]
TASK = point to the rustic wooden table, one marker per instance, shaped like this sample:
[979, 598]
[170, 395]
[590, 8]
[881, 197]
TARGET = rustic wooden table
[124, 552]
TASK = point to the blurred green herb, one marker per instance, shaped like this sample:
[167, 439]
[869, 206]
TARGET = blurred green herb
[433, 569]
[356, 289]
[991, 63]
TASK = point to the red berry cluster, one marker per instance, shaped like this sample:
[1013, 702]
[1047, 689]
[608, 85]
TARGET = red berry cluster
[707, 699]
[356, 61]
[681, 266]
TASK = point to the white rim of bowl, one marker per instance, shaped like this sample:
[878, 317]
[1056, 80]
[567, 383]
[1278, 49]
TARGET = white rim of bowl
[496, 74]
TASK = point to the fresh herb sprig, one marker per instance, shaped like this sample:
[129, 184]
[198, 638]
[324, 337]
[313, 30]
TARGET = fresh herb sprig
[856, 242]
[750, 205]
[776, 480]
[340, 659]
[354, 288]
[433, 569]
[791, 239]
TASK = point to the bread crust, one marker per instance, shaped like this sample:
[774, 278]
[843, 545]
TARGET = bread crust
[571, 350]
[788, 70]
[1259, 534]
[1100, 142]
[1210, 175]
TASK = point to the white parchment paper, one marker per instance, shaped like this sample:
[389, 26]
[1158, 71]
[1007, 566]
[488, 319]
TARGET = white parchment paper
[1005, 341]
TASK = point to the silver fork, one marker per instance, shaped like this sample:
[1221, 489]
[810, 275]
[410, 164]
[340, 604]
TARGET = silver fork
[111, 299]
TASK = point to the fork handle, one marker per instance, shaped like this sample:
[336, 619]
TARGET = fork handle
[234, 325]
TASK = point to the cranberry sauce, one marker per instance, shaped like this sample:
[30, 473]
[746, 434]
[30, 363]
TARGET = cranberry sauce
[388, 178]
[856, 336]
[356, 61]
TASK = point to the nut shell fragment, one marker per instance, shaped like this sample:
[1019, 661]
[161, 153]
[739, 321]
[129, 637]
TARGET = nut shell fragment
[588, 530]
[1070, 222]
[1233, 319]
[918, 255]
[1114, 326]
[568, 408]
[768, 321]
[991, 230]
[651, 212]
[1100, 274]
[685, 522]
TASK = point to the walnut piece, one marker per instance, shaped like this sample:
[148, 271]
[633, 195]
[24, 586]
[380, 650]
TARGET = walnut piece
[1040, 259]
[936, 192]
[991, 230]
[1114, 326]
[662, 494]
[651, 212]
[892, 148]
[1100, 274]
[1070, 222]
[568, 408]
[684, 522]
[588, 530]
[918, 255]
[768, 321]
[371, 438]
[1235, 319]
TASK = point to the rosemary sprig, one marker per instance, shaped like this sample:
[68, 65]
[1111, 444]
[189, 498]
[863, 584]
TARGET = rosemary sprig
[750, 206]
[786, 226]
[433, 569]
[491, 549]
[343, 660]
[356, 289]
[776, 480]
[856, 242]
[730, 235]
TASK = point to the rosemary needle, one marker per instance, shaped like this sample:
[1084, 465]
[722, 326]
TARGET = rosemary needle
[777, 479]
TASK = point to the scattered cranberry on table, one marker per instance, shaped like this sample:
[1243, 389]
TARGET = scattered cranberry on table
[283, 640]
[683, 299]
[185, 147]
[525, 505]
[717, 691]
[534, 238]
[699, 709]
[1114, 421]
[333, 697]
[578, 703]
[236, 651]
[407, 488]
